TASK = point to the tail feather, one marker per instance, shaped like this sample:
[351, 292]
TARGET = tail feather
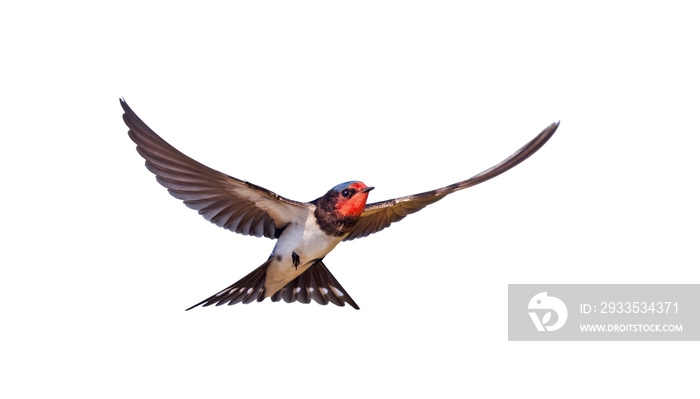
[257, 293]
[317, 294]
[315, 283]
[333, 291]
[246, 290]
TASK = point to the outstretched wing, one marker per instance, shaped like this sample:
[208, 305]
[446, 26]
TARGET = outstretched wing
[380, 215]
[228, 202]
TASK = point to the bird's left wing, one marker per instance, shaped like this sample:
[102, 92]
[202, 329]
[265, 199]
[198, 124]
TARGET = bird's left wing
[231, 203]
[380, 215]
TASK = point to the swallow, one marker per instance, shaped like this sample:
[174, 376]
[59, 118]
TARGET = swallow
[305, 231]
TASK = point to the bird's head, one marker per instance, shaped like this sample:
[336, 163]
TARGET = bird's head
[349, 198]
[340, 208]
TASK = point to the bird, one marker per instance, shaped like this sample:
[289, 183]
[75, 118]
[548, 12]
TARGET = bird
[305, 231]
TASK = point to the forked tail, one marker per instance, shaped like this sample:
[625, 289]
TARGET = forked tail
[315, 283]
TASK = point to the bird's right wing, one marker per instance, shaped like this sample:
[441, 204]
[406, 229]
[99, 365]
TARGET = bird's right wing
[231, 203]
[380, 215]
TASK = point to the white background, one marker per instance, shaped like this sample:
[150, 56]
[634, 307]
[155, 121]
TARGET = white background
[99, 262]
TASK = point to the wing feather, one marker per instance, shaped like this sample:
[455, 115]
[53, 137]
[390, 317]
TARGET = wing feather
[380, 215]
[231, 203]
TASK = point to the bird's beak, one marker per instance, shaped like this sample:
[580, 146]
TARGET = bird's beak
[367, 189]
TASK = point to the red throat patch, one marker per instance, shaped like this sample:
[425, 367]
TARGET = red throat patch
[355, 205]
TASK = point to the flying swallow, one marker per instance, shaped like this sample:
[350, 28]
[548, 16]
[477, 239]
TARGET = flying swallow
[305, 231]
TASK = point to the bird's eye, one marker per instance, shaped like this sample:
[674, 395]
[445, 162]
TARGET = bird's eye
[345, 193]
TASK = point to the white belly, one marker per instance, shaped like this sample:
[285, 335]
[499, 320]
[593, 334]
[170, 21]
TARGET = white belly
[305, 239]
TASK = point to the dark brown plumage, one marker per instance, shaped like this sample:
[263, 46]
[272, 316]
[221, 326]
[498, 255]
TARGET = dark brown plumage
[248, 209]
[379, 215]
